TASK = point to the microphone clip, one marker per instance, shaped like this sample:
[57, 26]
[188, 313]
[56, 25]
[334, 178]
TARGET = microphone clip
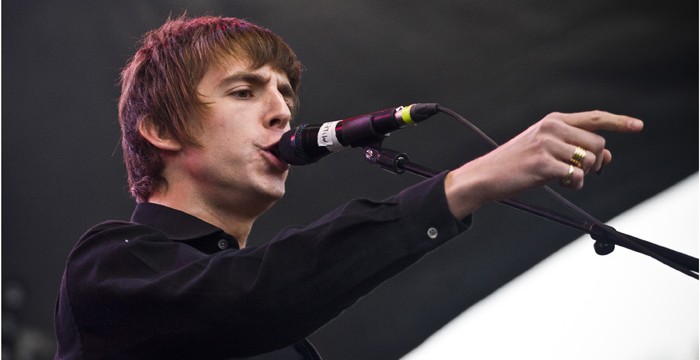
[387, 159]
[396, 162]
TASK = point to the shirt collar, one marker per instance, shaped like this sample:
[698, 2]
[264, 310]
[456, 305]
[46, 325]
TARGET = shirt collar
[178, 225]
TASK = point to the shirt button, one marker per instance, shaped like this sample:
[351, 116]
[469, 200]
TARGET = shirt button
[223, 244]
[432, 233]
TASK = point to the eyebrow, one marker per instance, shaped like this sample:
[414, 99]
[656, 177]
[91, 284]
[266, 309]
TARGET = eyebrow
[246, 76]
[258, 80]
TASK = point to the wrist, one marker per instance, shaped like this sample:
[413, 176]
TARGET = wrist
[464, 190]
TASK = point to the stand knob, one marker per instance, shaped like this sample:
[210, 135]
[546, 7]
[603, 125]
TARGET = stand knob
[603, 248]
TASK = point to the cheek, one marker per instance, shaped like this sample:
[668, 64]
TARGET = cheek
[222, 131]
[229, 130]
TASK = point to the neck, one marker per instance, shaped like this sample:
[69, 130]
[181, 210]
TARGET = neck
[234, 218]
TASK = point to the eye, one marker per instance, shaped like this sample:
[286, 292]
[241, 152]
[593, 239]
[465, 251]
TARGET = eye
[242, 93]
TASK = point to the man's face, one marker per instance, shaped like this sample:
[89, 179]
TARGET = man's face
[248, 111]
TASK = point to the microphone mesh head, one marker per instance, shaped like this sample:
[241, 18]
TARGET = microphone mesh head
[290, 150]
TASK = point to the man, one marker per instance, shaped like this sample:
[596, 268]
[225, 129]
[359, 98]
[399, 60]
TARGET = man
[204, 100]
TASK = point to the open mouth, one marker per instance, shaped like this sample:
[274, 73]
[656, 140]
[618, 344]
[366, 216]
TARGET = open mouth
[272, 155]
[274, 150]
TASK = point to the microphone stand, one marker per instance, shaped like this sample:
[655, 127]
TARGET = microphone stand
[606, 237]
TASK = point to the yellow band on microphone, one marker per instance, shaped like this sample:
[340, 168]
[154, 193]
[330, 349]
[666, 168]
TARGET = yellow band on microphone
[406, 115]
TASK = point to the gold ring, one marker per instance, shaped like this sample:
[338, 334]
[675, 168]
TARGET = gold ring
[577, 158]
[566, 180]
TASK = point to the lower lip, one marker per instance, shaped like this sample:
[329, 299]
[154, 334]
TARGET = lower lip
[276, 163]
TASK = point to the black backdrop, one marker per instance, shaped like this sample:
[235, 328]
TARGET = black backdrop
[502, 65]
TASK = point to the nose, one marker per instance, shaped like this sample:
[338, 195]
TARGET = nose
[279, 115]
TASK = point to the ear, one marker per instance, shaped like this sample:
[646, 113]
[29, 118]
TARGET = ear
[157, 137]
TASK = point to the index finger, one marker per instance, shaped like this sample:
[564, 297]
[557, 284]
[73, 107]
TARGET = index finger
[601, 120]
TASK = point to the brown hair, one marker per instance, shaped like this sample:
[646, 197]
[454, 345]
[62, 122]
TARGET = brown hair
[159, 83]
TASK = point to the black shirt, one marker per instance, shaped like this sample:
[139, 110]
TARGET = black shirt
[167, 285]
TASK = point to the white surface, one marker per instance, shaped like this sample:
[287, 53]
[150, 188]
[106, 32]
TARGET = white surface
[579, 305]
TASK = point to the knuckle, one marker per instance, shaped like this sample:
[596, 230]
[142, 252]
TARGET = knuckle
[553, 116]
[549, 124]
[591, 160]
[600, 118]
[544, 144]
[597, 115]
[540, 162]
[598, 144]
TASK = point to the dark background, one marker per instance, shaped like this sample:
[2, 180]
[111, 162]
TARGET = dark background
[501, 64]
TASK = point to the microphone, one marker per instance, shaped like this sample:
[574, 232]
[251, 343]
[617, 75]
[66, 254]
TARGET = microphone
[307, 144]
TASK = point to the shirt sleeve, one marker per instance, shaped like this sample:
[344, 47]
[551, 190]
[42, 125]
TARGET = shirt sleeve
[135, 283]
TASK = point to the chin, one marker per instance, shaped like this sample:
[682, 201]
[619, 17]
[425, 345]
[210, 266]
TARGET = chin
[270, 190]
[277, 189]
[274, 197]
[275, 193]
